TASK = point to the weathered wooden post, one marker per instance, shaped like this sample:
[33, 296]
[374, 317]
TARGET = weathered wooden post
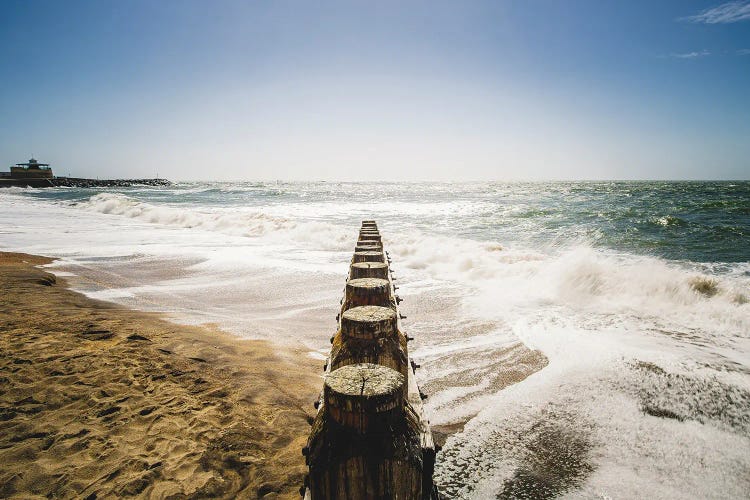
[367, 292]
[368, 270]
[368, 256]
[365, 442]
[368, 247]
[369, 334]
[370, 237]
[370, 243]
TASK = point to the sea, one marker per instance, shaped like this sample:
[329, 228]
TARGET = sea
[576, 339]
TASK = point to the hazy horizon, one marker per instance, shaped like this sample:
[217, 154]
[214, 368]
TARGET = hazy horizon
[341, 91]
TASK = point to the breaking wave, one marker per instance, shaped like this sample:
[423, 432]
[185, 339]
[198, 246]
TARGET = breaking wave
[233, 220]
[577, 275]
[587, 289]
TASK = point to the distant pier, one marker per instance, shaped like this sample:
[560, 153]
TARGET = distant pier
[39, 175]
[370, 438]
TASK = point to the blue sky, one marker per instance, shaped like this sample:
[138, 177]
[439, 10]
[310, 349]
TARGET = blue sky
[497, 90]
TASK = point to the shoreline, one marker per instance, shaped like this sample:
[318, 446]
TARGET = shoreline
[97, 400]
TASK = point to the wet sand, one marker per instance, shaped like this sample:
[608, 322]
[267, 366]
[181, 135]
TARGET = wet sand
[97, 400]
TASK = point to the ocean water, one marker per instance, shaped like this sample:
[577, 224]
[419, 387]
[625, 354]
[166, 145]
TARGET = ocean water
[577, 339]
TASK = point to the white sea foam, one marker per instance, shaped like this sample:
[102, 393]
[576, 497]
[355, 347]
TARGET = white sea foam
[233, 220]
[592, 312]
[246, 223]
[582, 279]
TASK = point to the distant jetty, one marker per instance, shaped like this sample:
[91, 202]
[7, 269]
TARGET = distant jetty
[82, 183]
[39, 175]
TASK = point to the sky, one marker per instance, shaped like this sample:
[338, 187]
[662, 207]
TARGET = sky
[388, 90]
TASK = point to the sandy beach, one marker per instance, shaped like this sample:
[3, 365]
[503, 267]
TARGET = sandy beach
[98, 401]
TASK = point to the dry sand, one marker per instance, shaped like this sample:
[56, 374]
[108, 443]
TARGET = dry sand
[98, 401]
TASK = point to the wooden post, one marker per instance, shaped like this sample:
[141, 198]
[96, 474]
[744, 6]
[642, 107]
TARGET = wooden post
[369, 334]
[367, 292]
[368, 257]
[356, 393]
[369, 323]
[371, 243]
[365, 442]
[368, 270]
[370, 237]
[368, 247]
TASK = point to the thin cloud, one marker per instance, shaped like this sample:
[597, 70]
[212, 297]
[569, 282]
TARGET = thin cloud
[730, 12]
[743, 52]
[691, 55]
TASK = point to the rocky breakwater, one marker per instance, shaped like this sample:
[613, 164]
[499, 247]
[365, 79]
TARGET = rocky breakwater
[370, 438]
[76, 182]
[91, 183]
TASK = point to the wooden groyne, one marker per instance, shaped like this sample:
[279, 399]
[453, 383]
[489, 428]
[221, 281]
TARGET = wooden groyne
[370, 438]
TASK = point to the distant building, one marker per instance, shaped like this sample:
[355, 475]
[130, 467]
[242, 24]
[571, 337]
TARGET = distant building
[31, 170]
